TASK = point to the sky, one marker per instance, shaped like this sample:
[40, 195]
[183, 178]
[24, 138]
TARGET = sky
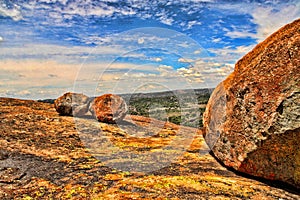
[49, 47]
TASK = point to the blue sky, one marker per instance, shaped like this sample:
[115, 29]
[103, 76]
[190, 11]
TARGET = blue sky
[49, 47]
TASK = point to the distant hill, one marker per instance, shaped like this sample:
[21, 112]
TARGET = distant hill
[197, 92]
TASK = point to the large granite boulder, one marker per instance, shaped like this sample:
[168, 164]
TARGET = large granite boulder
[72, 104]
[252, 120]
[109, 108]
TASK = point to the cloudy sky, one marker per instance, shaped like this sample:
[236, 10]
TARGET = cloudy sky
[48, 47]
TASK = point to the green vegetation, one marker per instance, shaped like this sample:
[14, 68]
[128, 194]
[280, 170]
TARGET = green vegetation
[185, 108]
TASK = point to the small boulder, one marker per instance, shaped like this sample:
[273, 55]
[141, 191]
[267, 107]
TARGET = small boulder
[252, 120]
[109, 108]
[72, 104]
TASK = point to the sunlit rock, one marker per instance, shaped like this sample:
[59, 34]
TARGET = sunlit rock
[252, 121]
[109, 108]
[72, 104]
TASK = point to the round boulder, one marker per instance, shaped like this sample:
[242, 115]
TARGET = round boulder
[252, 120]
[72, 104]
[109, 108]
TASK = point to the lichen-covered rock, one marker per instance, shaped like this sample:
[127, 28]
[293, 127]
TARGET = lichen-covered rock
[72, 104]
[109, 108]
[252, 120]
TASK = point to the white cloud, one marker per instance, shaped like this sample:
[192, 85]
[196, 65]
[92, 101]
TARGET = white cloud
[49, 79]
[270, 20]
[89, 8]
[208, 72]
[141, 40]
[1, 39]
[218, 69]
[165, 70]
[201, 1]
[231, 54]
[166, 20]
[185, 60]
[54, 1]
[189, 72]
[128, 40]
[132, 78]
[190, 24]
[217, 40]
[240, 34]
[157, 59]
[68, 54]
[97, 40]
[198, 51]
[125, 75]
[13, 11]
[165, 67]
[192, 75]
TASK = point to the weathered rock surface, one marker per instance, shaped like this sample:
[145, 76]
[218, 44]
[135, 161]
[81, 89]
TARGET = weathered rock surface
[252, 120]
[109, 108]
[72, 104]
[42, 156]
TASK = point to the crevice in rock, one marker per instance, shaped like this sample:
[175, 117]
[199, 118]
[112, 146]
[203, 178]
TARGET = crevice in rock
[280, 108]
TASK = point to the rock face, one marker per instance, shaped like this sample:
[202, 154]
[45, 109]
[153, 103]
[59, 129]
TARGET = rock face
[252, 120]
[42, 156]
[109, 108]
[72, 104]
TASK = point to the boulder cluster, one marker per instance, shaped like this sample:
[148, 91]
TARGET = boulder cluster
[108, 108]
[252, 120]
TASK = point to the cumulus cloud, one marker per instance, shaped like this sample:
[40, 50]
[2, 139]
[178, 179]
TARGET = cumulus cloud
[189, 72]
[206, 71]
